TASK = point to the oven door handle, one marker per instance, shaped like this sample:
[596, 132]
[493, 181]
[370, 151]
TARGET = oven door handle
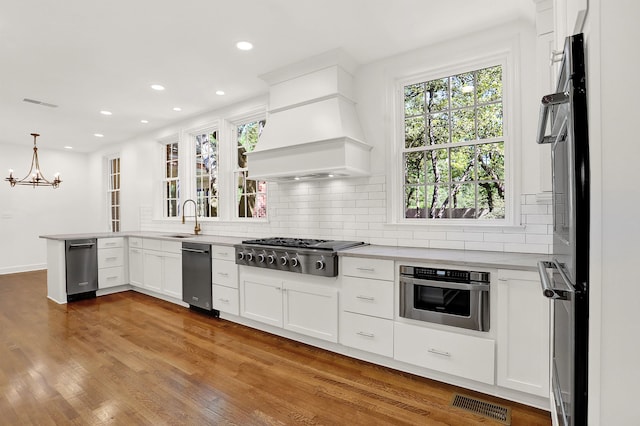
[548, 290]
[445, 284]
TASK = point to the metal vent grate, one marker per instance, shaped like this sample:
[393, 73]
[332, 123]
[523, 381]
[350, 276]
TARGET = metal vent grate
[483, 408]
[34, 101]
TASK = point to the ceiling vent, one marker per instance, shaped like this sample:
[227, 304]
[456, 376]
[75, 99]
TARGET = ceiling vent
[312, 129]
[33, 101]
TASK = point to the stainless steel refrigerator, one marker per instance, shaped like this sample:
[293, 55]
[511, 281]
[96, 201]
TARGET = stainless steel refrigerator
[565, 279]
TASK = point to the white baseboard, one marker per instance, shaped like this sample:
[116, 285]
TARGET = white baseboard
[22, 268]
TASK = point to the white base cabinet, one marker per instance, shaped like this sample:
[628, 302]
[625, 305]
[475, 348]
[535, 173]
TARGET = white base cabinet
[306, 308]
[523, 333]
[452, 353]
[224, 271]
[162, 267]
[111, 262]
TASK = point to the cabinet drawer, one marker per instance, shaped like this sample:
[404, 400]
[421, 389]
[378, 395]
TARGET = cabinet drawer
[135, 242]
[378, 269]
[457, 354]
[367, 296]
[151, 244]
[110, 257]
[115, 242]
[111, 277]
[224, 273]
[171, 246]
[223, 252]
[226, 299]
[367, 333]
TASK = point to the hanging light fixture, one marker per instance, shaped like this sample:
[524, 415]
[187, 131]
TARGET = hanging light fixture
[34, 177]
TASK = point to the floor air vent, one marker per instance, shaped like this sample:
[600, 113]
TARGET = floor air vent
[483, 408]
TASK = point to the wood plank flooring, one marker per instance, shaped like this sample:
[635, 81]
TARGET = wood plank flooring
[130, 359]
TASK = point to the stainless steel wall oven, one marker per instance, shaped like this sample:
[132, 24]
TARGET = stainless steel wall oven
[445, 296]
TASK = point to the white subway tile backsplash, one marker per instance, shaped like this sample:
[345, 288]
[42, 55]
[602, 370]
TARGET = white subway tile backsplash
[357, 209]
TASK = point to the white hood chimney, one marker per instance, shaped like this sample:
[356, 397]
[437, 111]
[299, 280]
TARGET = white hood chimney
[312, 129]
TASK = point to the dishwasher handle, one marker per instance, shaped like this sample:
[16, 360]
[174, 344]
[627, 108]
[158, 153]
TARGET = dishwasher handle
[546, 103]
[548, 290]
[83, 245]
[194, 251]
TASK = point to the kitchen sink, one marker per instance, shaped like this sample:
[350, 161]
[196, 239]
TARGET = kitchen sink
[180, 236]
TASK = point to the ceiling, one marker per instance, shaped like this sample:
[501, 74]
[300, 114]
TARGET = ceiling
[86, 56]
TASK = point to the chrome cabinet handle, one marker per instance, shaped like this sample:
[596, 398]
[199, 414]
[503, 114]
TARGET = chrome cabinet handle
[224, 300]
[438, 352]
[366, 269]
[224, 274]
[365, 334]
[548, 290]
[367, 298]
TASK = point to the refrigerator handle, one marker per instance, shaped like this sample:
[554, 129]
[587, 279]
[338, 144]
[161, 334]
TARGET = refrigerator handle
[547, 289]
[547, 102]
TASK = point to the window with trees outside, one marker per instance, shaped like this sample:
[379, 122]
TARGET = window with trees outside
[171, 188]
[454, 147]
[251, 194]
[113, 194]
[206, 167]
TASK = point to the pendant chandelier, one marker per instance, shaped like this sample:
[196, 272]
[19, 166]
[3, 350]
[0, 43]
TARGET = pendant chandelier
[34, 177]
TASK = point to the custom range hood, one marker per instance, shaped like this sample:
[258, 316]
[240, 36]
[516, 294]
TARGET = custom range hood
[312, 129]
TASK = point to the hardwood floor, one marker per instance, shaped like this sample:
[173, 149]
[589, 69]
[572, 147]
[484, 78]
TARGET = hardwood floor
[131, 359]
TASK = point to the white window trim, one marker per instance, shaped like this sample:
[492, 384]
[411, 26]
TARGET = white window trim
[233, 121]
[164, 180]
[188, 172]
[107, 192]
[511, 131]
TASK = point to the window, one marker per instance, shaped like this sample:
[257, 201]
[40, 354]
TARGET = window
[171, 190]
[454, 147]
[251, 194]
[113, 194]
[206, 166]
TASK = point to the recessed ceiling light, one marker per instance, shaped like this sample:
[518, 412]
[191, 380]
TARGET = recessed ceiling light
[98, 135]
[177, 109]
[296, 178]
[68, 147]
[157, 87]
[219, 92]
[106, 112]
[244, 45]
[144, 121]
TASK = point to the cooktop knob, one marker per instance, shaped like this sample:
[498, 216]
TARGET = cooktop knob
[240, 255]
[249, 257]
[294, 262]
[283, 260]
[271, 258]
[261, 258]
[319, 264]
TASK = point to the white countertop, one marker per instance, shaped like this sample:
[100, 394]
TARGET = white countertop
[522, 261]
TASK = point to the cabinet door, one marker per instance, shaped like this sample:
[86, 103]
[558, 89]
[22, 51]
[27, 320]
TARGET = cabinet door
[172, 275]
[152, 270]
[523, 333]
[136, 267]
[369, 297]
[311, 309]
[225, 299]
[261, 299]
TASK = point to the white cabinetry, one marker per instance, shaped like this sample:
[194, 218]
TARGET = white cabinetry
[308, 305]
[226, 297]
[162, 266]
[366, 318]
[523, 333]
[452, 353]
[136, 263]
[111, 262]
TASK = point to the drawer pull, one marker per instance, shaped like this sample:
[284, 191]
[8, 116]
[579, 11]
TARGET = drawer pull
[365, 334]
[223, 253]
[437, 352]
[367, 298]
[366, 269]
[223, 274]
[224, 300]
[111, 258]
[113, 277]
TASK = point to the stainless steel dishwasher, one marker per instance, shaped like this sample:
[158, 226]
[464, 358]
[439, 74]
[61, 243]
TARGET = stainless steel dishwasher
[81, 261]
[196, 275]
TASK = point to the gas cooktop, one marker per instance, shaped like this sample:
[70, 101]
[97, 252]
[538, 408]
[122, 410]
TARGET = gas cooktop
[303, 243]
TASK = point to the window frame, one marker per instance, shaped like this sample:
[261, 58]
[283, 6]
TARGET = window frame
[510, 115]
[166, 179]
[193, 175]
[237, 170]
[110, 194]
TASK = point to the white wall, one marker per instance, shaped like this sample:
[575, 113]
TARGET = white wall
[26, 212]
[612, 32]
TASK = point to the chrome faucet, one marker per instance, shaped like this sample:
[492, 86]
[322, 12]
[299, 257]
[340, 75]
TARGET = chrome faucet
[197, 229]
